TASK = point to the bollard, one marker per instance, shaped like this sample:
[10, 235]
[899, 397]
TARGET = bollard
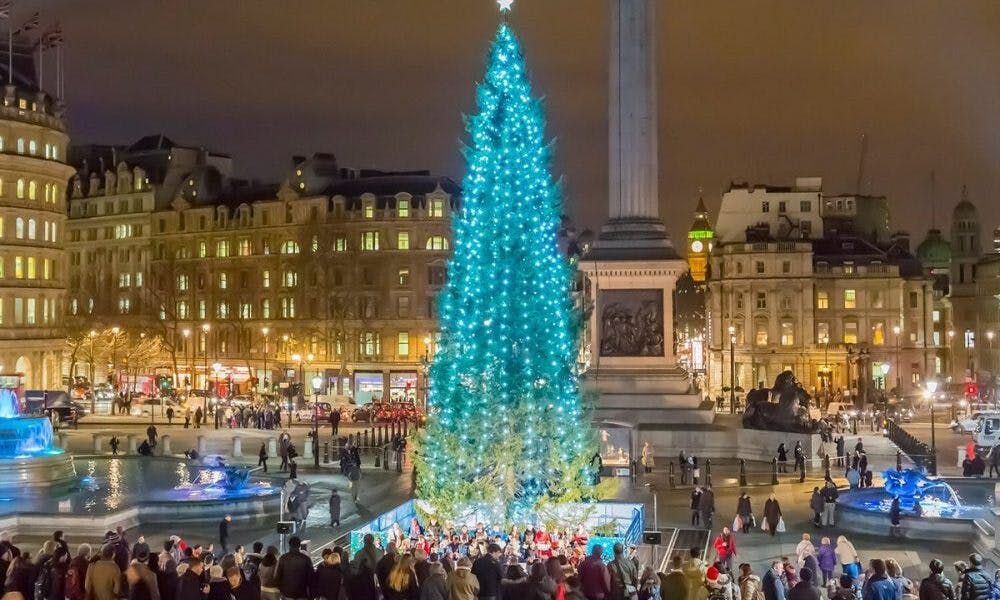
[774, 471]
[826, 467]
[165, 446]
[670, 475]
[708, 471]
[743, 472]
[802, 472]
[899, 460]
[237, 446]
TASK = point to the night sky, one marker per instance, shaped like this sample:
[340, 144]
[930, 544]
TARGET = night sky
[762, 90]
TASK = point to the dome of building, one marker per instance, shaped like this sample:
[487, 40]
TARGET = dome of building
[934, 251]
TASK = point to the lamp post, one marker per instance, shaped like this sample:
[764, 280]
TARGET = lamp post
[317, 385]
[205, 328]
[732, 369]
[899, 390]
[265, 331]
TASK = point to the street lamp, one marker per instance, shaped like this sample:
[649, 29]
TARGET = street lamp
[317, 385]
[899, 389]
[732, 369]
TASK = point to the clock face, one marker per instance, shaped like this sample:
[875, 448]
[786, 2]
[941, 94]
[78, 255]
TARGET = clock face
[697, 246]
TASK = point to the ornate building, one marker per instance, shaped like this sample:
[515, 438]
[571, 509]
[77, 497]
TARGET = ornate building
[33, 175]
[832, 308]
[332, 274]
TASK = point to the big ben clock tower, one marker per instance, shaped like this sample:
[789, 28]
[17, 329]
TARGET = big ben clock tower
[700, 238]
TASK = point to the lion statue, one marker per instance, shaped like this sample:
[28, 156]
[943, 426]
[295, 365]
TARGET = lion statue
[789, 410]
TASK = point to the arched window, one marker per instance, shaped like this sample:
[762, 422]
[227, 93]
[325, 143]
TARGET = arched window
[32, 190]
[19, 228]
[31, 229]
[437, 242]
[20, 188]
[289, 247]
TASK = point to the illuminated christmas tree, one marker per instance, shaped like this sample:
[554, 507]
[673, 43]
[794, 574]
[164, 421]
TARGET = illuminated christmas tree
[507, 432]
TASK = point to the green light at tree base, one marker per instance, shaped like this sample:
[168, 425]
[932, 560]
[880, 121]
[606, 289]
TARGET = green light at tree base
[507, 427]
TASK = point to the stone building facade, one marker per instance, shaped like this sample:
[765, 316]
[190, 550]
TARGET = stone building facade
[333, 274]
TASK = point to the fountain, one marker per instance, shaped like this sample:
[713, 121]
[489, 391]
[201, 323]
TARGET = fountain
[930, 507]
[28, 458]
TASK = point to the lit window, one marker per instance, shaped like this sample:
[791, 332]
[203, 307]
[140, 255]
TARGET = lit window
[369, 240]
[403, 344]
[435, 208]
[787, 333]
[850, 332]
[403, 240]
[403, 209]
[289, 247]
[437, 242]
[850, 299]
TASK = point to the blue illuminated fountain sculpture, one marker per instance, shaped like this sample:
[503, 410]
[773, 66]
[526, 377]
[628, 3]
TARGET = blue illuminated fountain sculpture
[27, 456]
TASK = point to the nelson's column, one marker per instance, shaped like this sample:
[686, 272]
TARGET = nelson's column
[632, 267]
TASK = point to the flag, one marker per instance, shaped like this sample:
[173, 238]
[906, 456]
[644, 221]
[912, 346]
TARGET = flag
[5, 8]
[31, 24]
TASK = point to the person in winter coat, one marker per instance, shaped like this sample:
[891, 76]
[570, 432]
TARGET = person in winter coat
[435, 586]
[879, 586]
[976, 582]
[847, 555]
[673, 585]
[462, 584]
[329, 576]
[806, 588]
[936, 586]
[816, 504]
[744, 511]
[826, 556]
[772, 514]
[694, 571]
[772, 584]
[725, 549]
[749, 584]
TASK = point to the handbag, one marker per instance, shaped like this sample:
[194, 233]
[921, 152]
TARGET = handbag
[781, 525]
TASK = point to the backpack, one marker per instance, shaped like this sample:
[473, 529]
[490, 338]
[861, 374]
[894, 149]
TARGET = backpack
[73, 589]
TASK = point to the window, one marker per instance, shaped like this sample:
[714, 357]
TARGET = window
[435, 208]
[437, 242]
[850, 332]
[403, 240]
[223, 280]
[786, 267]
[403, 209]
[265, 279]
[850, 299]
[822, 332]
[403, 277]
[765, 207]
[289, 279]
[288, 308]
[369, 240]
[402, 344]
[403, 307]
[787, 333]
[289, 247]
[878, 333]
[340, 244]
[822, 300]
[761, 300]
[760, 333]
[369, 344]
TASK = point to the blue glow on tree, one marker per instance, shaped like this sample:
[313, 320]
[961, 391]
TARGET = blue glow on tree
[507, 429]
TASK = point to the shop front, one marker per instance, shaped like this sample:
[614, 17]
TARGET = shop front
[368, 387]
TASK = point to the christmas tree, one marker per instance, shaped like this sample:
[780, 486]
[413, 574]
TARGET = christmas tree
[507, 433]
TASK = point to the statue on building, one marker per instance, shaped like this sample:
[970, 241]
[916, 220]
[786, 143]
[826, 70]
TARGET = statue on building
[789, 410]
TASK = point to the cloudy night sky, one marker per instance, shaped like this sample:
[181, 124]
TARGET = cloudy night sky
[759, 90]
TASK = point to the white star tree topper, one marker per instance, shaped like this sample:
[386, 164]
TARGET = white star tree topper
[505, 5]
